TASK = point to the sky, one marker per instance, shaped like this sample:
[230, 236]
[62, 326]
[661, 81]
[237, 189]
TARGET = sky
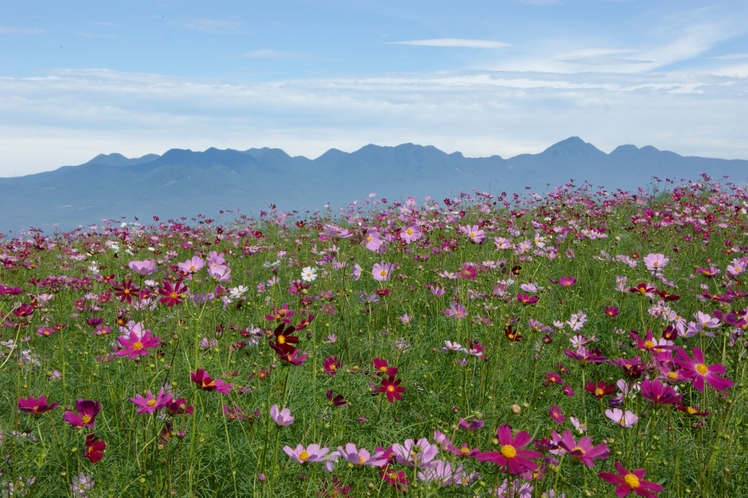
[80, 78]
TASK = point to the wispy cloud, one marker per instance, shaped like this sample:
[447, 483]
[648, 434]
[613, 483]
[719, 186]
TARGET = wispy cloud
[133, 113]
[453, 42]
[218, 26]
[21, 31]
[266, 53]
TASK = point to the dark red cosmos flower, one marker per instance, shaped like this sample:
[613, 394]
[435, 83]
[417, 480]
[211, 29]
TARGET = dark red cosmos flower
[24, 310]
[331, 365]
[173, 293]
[642, 289]
[36, 406]
[600, 390]
[392, 389]
[205, 382]
[179, 407]
[335, 400]
[94, 448]
[667, 296]
[382, 367]
[125, 291]
[86, 416]
[512, 334]
[394, 477]
[283, 335]
[611, 311]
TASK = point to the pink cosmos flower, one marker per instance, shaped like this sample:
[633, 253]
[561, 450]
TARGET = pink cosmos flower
[582, 451]
[362, 456]
[135, 345]
[142, 267]
[311, 454]
[655, 262]
[191, 265]
[86, 416]
[150, 403]
[456, 311]
[659, 393]
[631, 481]
[557, 415]
[510, 455]
[411, 233]
[382, 271]
[283, 417]
[624, 419]
[698, 371]
[414, 453]
[373, 240]
[474, 232]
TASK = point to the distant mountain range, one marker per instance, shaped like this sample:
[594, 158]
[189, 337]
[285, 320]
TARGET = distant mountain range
[187, 183]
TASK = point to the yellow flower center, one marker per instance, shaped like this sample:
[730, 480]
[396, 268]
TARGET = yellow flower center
[86, 419]
[464, 451]
[332, 366]
[192, 268]
[383, 273]
[577, 451]
[691, 410]
[151, 402]
[508, 451]
[137, 346]
[701, 368]
[173, 295]
[361, 459]
[281, 339]
[390, 389]
[599, 392]
[410, 231]
[649, 344]
[383, 368]
[631, 480]
[672, 376]
[303, 456]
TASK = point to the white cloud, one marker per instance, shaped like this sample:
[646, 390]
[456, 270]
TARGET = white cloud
[21, 31]
[453, 42]
[69, 116]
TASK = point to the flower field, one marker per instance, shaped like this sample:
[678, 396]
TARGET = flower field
[574, 343]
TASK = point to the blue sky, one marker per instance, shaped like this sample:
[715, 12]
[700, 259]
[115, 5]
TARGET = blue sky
[79, 78]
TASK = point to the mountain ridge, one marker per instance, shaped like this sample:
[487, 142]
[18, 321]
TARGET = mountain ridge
[182, 182]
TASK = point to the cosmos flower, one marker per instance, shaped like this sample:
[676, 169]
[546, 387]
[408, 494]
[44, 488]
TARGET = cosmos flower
[281, 417]
[631, 481]
[511, 456]
[86, 413]
[311, 454]
[35, 406]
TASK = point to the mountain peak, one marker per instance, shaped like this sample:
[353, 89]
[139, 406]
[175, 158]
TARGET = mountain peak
[573, 146]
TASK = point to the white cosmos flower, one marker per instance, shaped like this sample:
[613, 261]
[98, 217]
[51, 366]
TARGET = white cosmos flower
[308, 274]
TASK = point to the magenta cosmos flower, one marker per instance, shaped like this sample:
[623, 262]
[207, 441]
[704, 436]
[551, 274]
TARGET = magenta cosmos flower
[582, 451]
[281, 417]
[310, 454]
[510, 455]
[631, 481]
[86, 416]
[136, 345]
[659, 393]
[36, 406]
[382, 271]
[698, 371]
[150, 403]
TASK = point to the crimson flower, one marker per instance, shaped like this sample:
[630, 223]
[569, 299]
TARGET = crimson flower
[125, 290]
[173, 293]
[567, 281]
[24, 310]
[631, 481]
[179, 407]
[391, 387]
[331, 365]
[510, 455]
[283, 335]
[335, 400]
[204, 382]
[382, 367]
[86, 416]
[600, 390]
[643, 289]
[94, 448]
[512, 334]
[611, 311]
[35, 406]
